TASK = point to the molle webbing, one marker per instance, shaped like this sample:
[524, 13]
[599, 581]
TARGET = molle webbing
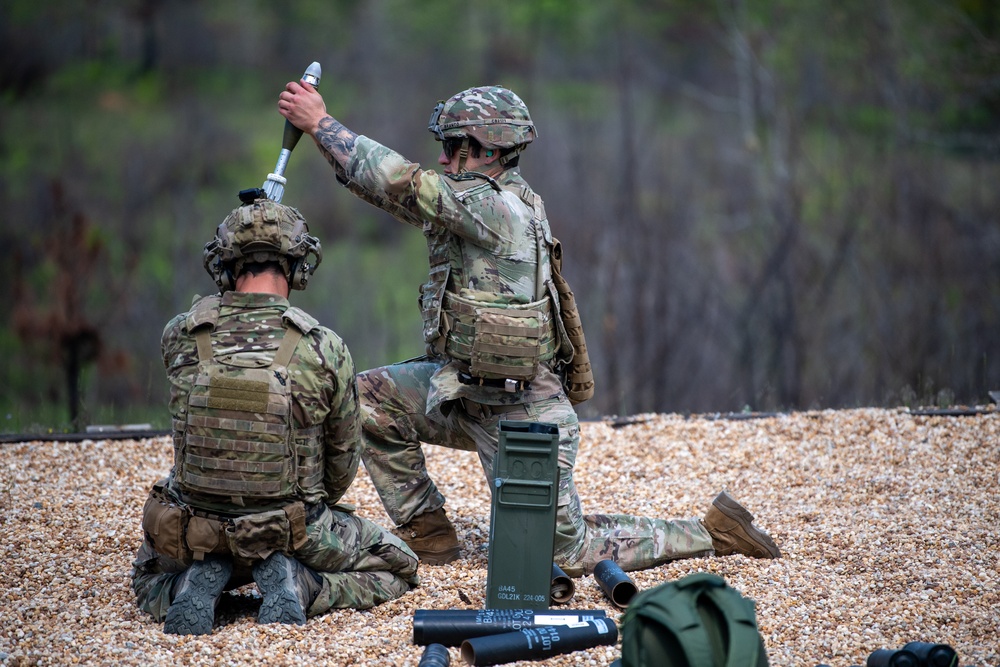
[238, 438]
[500, 340]
[309, 450]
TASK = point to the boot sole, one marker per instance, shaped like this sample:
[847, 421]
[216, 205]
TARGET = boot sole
[193, 611]
[281, 601]
[732, 509]
[438, 557]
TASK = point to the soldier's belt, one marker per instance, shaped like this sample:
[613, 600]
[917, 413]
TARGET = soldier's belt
[312, 512]
[507, 384]
[182, 532]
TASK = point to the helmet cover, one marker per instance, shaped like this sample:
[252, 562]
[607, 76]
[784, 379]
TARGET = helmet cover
[262, 231]
[492, 115]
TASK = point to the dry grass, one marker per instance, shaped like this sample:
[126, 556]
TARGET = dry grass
[887, 521]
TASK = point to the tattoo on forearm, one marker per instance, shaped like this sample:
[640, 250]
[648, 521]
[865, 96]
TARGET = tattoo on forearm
[335, 140]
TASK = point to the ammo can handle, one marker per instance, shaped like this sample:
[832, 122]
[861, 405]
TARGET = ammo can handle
[528, 483]
[523, 449]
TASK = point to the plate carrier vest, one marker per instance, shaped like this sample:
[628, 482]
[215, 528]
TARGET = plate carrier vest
[238, 442]
[503, 339]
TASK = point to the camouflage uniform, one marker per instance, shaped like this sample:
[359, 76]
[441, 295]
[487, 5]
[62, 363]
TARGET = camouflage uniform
[483, 238]
[361, 565]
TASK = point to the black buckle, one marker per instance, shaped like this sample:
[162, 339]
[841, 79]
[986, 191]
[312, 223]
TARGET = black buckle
[509, 385]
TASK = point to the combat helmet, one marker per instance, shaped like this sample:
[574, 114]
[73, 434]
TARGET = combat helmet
[262, 230]
[492, 115]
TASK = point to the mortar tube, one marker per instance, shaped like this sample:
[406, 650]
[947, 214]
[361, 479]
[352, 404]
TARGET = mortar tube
[539, 643]
[562, 587]
[617, 585]
[933, 655]
[435, 655]
[887, 657]
[451, 627]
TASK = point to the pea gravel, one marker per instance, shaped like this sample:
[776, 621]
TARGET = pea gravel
[887, 522]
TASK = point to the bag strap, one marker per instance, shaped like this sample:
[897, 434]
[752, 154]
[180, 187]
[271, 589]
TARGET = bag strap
[539, 262]
[543, 241]
[201, 321]
[203, 337]
[287, 347]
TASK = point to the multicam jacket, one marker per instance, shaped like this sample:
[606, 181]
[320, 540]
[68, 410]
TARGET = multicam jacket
[485, 239]
[323, 391]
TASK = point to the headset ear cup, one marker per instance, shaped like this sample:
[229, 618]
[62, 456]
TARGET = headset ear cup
[301, 269]
[225, 281]
[298, 274]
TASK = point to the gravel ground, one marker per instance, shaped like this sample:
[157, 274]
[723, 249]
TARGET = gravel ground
[887, 522]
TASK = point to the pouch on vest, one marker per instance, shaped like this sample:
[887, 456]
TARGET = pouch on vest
[501, 338]
[507, 344]
[432, 293]
[205, 536]
[696, 621]
[296, 515]
[259, 535]
[164, 522]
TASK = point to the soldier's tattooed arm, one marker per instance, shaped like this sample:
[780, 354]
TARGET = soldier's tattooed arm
[335, 141]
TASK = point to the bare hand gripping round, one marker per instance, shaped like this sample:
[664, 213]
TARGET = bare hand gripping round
[274, 185]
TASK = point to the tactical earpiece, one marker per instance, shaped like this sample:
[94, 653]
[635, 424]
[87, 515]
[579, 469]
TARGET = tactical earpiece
[489, 153]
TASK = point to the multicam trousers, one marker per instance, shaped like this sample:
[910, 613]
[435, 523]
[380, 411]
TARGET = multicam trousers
[394, 415]
[361, 565]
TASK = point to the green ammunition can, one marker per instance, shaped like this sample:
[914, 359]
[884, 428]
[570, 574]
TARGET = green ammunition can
[523, 516]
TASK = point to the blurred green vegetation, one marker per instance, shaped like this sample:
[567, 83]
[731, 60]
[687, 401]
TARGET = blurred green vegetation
[765, 203]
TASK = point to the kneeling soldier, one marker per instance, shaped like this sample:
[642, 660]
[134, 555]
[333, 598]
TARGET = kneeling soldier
[267, 440]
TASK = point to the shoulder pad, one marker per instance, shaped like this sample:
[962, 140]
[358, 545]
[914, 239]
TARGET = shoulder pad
[204, 310]
[300, 319]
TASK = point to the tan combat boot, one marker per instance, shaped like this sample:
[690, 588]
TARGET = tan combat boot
[732, 530]
[431, 536]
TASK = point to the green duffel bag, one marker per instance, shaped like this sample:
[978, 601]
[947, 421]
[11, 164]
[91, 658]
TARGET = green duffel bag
[696, 621]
